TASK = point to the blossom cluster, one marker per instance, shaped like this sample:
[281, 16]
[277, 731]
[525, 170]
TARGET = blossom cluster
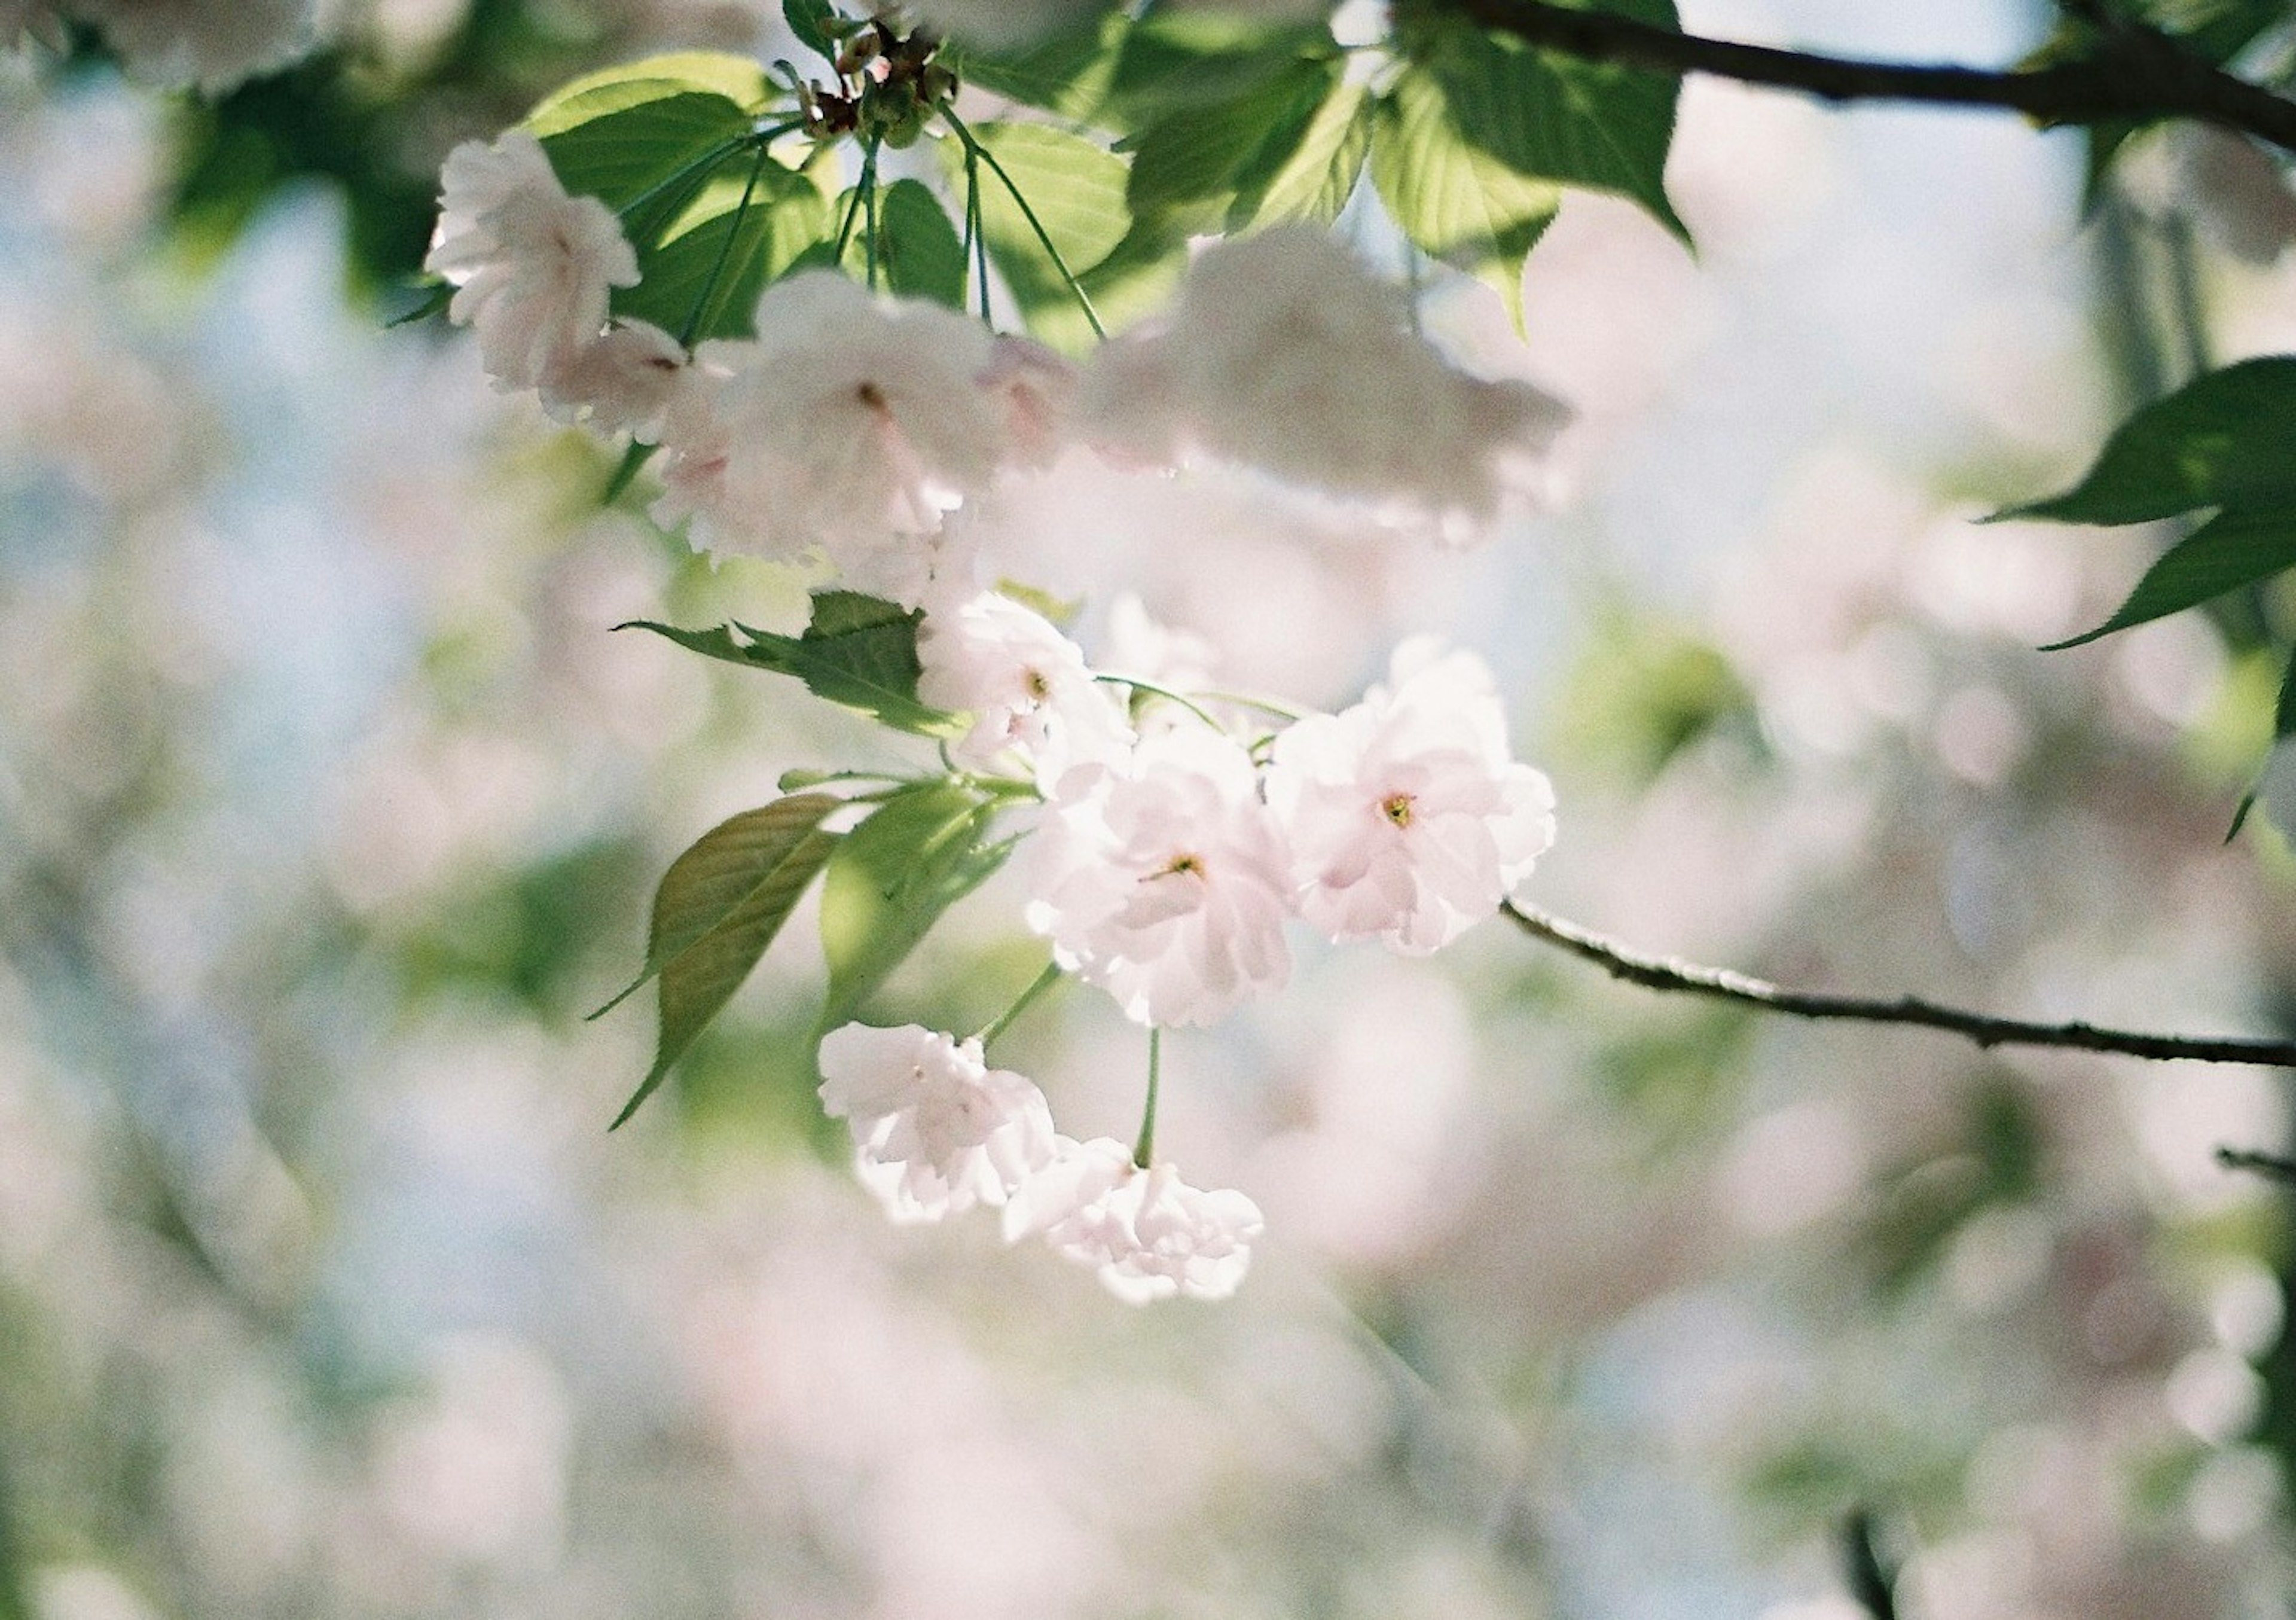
[205, 45]
[852, 429]
[1179, 834]
[937, 1131]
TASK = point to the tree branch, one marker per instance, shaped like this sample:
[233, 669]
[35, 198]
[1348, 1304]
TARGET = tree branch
[2134, 73]
[1669, 973]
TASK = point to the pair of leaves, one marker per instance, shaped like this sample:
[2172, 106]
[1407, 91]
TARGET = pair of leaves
[884, 884]
[857, 651]
[2226, 440]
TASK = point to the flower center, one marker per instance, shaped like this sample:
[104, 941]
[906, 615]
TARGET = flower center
[1182, 866]
[1037, 687]
[872, 396]
[1397, 808]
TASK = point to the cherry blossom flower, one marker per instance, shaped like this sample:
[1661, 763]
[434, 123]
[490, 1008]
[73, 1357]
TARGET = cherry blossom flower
[1408, 820]
[849, 422]
[531, 266]
[1281, 353]
[620, 382]
[935, 1130]
[1039, 390]
[205, 45]
[1164, 880]
[1025, 685]
[1149, 1233]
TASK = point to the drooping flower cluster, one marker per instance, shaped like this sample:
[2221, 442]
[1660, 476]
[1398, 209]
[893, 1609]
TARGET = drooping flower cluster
[209, 45]
[936, 1131]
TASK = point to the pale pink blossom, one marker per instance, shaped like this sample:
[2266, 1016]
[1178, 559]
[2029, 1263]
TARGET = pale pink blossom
[1025, 684]
[204, 45]
[1038, 389]
[532, 268]
[1149, 1233]
[935, 1130]
[1281, 353]
[1408, 818]
[850, 422]
[622, 381]
[1164, 880]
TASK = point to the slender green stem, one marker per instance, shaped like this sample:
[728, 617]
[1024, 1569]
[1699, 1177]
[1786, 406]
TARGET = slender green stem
[861, 189]
[1044, 982]
[976, 239]
[1164, 692]
[701, 165]
[1266, 706]
[700, 318]
[973, 147]
[876, 222]
[1143, 1151]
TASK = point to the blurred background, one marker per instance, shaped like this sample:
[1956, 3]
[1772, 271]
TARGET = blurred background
[329, 805]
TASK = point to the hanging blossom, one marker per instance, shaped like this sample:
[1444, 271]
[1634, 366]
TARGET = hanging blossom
[852, 422]
[209, 45]
[1149, 1233]
[622, 381]
[1281, 353]
[1026, 686]
[532, 268]
[935, 1130]
[1409, 820]
[1164, 880]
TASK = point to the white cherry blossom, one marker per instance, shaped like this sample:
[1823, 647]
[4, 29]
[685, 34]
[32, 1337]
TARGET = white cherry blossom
[622, 381]
[1025, 685]
[935, 1130]
[1281, 353]
[1408, 818]
[1149, 1233]
[850, 422]
[1164, 880]
[204, 45]
[532, 268]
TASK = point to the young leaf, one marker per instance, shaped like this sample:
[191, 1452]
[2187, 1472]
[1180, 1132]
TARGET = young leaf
[808, 20]
[787, 214]
[919, 253]
[1067, 73]
[620, 141]
[1194, 162]
[1174, 61]
[2228, 439]
[740, 79]
[1316, 180]
[1076, 190]
[890, 880]
[719, 905]
[1455, 202]
[858, 652]
[1555, 118]
[2235, 547]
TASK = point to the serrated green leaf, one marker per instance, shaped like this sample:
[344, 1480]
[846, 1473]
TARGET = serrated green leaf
[1315, 181]
[892, 878]
[1595, 123]
[1172, 61]
[2228, 439]
[719, 907]
[787, 214]
[919, 253]
[1067, 73]
[1076, 190]
[1195, 164]
[620, 141]
[807, 19]
[2232, 549]
[1453, 201]
[858, 652]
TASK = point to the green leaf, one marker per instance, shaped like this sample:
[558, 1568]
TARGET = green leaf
[1194, 162]
[808, 20]
[1455, 202]
[719, 905]
[1172, 61]
[1554, 118]
[608, 145]
[2228, 439]
[1077, 189]
[787, 214]
[890, 880]
[1067, 73]
[1316, 180]
[858, 652]
[919, 252]
[2232, 549]
[1132, 282]
[740, 79]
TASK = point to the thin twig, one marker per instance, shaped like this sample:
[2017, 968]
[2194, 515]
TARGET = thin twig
[1671, 973]
[2271, 1166]
[2132, 73]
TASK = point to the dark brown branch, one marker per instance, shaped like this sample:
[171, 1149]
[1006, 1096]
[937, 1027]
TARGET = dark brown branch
[1668, 973]
[2133, 74]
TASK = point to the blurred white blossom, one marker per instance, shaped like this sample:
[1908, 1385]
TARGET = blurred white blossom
[1164, 880]
[935, 1130]
[1408, 818]
[620, 382]
[1149, 1233]
[205, 45]
[1023, 682]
